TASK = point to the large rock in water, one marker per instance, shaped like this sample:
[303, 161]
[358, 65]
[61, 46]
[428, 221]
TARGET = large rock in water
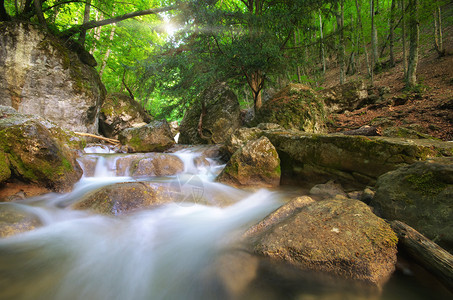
[352, 160]
[119, 112]
[340, 237]
[153, 137]
[14, 220]
[254, 165]
[420, 195]
[41, 76]
[36, 151]
[294, 107]
[222, 117]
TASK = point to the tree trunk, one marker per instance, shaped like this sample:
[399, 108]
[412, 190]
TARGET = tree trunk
[256, 83]
[322, 45]
[414, 32]
[341, 48]
[39, 14]
[107, 53]
[391, 33]
[425, 252]
[373, 41]
[86, 19]
[438, 44]
[359, 17]
[296, 33]
[3, 14]
[403, 34]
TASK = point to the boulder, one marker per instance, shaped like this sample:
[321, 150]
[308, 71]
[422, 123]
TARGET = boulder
[153, 137]
[221, 118]
[37, 154]
[122, 198]
[294, 107]
[41, 76]
[331, 189]
[354, 161]
[5, 171]
[119, 112]
[420, 195]
[255, 165]
[339, 237]
[159, 164]
[240, 137]
[15, 220]
[349, 96]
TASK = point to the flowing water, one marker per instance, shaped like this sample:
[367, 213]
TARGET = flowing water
[174, 251]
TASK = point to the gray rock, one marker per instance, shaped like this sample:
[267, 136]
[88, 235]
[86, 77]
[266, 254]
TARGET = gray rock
[420, 195]
[153, 137]
[41, 76]
[222, 117]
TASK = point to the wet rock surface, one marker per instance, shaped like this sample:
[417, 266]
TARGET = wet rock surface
[153, 137]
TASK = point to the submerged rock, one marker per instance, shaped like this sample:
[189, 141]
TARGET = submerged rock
[153, 137]
[222, 117]
[295, 107]
[340, 237]
[420, 195]
[255, 165]
[41, 76]
[119, 112]
[122, 198]
[14, 220]
[37, 153]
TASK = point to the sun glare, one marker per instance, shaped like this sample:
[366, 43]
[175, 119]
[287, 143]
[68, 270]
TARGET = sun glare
[170, 29]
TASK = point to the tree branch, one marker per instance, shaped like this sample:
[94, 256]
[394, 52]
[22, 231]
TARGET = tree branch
[93, 24]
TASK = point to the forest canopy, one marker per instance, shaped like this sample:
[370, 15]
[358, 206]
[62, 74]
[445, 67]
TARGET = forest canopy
[164, 53]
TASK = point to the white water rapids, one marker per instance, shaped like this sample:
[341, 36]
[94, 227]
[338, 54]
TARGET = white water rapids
[169, 252]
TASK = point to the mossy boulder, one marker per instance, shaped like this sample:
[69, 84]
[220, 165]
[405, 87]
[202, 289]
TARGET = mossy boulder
[221, 118]
[349, 96]
[294, 107]
[255, 165]
[120, 111]
[240, 137]
[41, 76]
[5, 172]
[355, 161]
[339, 237]
[420, 195]
[15, 220]
[36, 154]
[122, 198]
[153, 137]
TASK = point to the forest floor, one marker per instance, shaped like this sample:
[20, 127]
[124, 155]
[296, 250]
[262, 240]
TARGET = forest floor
[430, 109]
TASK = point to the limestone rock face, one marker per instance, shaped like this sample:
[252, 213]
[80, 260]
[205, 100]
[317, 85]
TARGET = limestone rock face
[119, 112]
[153, 137]
[255, 165]
[121, 198]
[294, 107]
[420, 195]
[340, 237]
[222, 117]
[41, 76]
[37, 152]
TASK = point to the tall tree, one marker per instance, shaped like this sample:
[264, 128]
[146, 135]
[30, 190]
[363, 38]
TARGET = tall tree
[414, 33]
[341, 41]
[438, 39]
[391, 33]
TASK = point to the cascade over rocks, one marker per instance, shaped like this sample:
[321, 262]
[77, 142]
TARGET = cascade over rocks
[294, 107]
[118, 112]
[37, 152]
[420, 195]
[41, 76]
[255, 164]
[340, 237]
[221, 117]
[153, 137]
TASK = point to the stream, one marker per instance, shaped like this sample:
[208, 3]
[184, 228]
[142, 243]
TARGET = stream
[179, 250]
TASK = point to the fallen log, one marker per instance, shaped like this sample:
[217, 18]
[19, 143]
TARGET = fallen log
[108, 140]
[364, 130]
[427, 253]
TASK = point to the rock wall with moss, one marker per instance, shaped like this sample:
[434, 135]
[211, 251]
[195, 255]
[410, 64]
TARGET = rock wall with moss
[41, 76]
